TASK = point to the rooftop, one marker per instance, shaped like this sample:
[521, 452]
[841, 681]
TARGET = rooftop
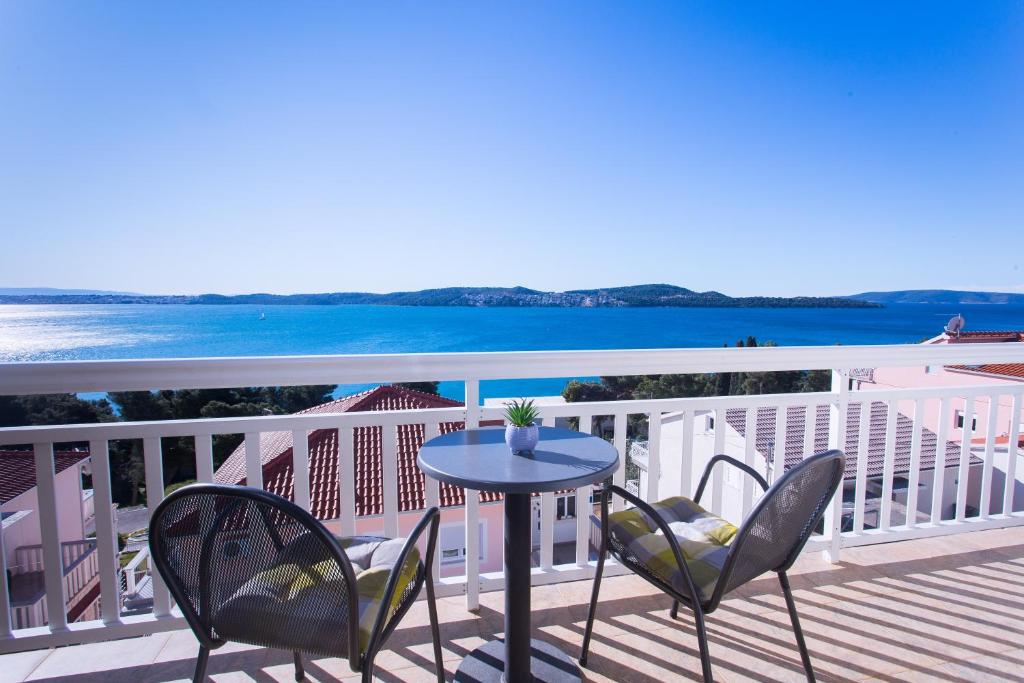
[794, 444]
[279, 468]
[18, 470]
[939, 609]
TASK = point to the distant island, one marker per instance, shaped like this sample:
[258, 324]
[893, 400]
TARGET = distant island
[939, 296]
[659, 295]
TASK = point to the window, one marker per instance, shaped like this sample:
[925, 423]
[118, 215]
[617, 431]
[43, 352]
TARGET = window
[959, 421]
[452, 541]
[711, 423]
[565, 507]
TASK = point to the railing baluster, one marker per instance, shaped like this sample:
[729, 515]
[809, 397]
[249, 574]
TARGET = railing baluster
[837, 439]
[984, 511]
[347, 479]
[619, 478]
[810, 422]
[939, 471]
[53, 569]
[653, 455]
[153, 457]
[860, 486]
[749, 454]
[965, 458]
[106, 533]
[473, 508]
[300, 468]
[915, 464]
[583, 507]
[716, 473]
[686, 463]
[1011, 454]
[253, 461]
[389, 475]
[6, 623]
[778, 464]
[432, 490]
[204, 458]
[889, 460]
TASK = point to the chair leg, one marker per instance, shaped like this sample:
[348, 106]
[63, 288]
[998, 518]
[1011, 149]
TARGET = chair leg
[702, 642]
[797, 631]
[200, 674]
[674, 612]
[368, 672]
[435, 630]
[593, 607]
[300, 673]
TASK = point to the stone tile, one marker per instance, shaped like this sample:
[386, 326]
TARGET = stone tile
[20, 665]
[113, 656]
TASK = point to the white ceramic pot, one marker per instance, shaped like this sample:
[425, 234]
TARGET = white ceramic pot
[522, 438]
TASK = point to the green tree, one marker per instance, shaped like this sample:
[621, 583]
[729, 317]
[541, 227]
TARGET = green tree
[425, 387]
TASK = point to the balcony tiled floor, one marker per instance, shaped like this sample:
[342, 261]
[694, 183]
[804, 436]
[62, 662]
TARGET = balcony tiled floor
[947, 609]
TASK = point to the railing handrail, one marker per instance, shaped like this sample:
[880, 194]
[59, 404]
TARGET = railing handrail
[43, 377]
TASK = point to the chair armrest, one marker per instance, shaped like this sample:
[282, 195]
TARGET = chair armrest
[431, 518]
[662, 525]
[735, 463]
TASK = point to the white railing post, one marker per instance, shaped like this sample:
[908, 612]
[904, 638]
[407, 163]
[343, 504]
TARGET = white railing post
[837, 440]
[389, 477]
[53, 568]
[5, 604]
[1011, 453]
[619, 478]
[716, 473]
[860, 486]
[347, 479]
[153, 455]
[583, 507]
[473, 508]
[253, 461]
[432, 491]
[106, 533]
[888, 460]
[939, 471]
[204, 458]
[686, 466]
[963, 473]
[300, 466]
[749, 457]
[984, 508]
[653, 456]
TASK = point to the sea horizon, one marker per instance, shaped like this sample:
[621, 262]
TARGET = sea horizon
[132, 331]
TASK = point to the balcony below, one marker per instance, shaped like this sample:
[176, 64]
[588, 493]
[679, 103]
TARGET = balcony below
[936, 609]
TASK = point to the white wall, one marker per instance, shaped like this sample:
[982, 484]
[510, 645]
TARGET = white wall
[70, 525]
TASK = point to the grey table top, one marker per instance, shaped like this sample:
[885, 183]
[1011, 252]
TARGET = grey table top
[479, 459]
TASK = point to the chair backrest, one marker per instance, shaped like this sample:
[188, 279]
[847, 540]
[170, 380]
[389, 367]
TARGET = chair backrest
[210, 541]
[775, 531]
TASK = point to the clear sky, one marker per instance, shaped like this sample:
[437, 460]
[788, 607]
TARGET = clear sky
[768, 148]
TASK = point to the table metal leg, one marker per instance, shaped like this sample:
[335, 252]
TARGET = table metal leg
[517, 587]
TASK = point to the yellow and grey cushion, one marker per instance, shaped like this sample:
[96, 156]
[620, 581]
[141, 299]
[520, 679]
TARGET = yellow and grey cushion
[299, 602]
[703, 539]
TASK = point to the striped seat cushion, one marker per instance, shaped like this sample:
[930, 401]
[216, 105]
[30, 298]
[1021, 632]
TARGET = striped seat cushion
[703, 538]
[300, 604]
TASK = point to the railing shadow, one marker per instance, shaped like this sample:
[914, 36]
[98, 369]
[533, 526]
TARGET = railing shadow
[892, 621]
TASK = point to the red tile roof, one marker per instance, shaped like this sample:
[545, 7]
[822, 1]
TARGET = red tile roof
[987, 336]
[18, 470]
[278, 466]
[794, 446]
[1014, 370]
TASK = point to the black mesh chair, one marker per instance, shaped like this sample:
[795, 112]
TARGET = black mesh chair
[248, 566]
[697, 558]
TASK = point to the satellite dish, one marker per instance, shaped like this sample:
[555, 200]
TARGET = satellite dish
[955, 325]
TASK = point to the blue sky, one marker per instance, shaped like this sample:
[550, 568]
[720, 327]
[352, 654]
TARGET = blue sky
[814, 148]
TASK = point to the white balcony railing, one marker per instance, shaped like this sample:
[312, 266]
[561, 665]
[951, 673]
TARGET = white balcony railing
[995, 508]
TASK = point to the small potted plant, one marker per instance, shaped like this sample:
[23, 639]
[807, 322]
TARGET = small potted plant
[522, 432]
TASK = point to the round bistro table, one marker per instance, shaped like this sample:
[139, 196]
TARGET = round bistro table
[478, 459]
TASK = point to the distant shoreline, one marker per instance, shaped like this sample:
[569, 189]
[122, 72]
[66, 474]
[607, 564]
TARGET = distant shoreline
[639, 296]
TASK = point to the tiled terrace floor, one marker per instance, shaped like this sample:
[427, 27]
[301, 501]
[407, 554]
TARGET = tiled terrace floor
[948, 609]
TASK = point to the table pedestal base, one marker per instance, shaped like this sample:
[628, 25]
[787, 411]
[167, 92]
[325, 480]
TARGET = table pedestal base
[548, 664]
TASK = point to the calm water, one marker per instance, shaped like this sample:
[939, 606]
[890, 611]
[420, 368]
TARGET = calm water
[181, 331]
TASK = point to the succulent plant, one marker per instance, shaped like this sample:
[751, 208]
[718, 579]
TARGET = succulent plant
[521, 412]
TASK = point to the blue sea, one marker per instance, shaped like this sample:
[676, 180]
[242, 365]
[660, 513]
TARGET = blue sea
[67, 332]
